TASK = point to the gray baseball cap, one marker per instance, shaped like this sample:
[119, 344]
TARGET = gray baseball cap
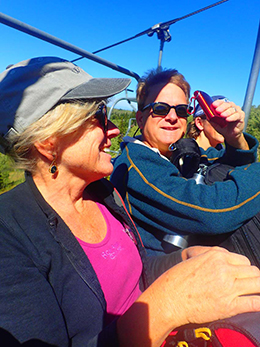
[32, 87]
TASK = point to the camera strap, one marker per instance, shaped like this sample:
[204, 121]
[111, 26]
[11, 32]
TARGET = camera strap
[185, 156]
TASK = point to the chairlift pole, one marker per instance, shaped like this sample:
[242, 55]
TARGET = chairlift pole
[164, 36]
[252, 80]
[160, 53]
[9, 21]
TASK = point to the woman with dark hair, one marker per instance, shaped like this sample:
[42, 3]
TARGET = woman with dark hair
[202, 131]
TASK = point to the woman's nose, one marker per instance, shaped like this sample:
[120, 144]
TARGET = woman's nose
[112, 130]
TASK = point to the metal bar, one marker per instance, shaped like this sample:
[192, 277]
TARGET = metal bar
[117, 101]
[252, 80]
[160, 53]
[9, 21]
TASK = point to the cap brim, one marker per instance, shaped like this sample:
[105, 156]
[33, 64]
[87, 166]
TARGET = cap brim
[97, 88]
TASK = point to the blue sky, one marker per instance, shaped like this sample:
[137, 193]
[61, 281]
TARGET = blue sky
[213, 49]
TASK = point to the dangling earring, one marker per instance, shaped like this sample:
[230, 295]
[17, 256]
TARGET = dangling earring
[53, 167]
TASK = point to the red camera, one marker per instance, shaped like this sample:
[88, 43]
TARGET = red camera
[205, 102]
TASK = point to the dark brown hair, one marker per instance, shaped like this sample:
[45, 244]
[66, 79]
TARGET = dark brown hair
[158, 76]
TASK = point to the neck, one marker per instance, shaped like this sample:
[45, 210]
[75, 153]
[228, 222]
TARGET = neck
[77, 208]
[60, 188]
[203, 141]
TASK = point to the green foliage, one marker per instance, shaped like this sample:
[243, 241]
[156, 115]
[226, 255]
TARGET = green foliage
[125, 121]
[9, 176]
[253, 125]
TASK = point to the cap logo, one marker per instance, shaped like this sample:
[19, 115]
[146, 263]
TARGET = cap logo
[76, 69]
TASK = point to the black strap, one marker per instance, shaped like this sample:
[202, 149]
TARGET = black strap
[185, 156]
[217, 172]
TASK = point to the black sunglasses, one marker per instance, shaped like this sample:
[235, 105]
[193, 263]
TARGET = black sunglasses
[162, 109]
[101, 116]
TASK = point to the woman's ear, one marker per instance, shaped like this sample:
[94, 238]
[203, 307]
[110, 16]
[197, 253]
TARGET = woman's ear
[46, 148]
[140, 119]
[199, 123]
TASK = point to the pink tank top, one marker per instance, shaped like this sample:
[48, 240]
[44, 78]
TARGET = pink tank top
[117, 264]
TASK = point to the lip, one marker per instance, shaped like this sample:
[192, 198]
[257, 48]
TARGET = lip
[105, 146]
[105, 149]
[169, 128]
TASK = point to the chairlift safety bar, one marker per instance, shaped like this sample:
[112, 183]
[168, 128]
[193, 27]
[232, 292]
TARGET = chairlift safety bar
[16, 24]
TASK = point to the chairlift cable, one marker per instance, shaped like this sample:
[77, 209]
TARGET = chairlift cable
[156, 28]
[195, 12]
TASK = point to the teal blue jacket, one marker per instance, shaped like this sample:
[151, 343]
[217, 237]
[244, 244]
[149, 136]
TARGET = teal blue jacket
[162, 202]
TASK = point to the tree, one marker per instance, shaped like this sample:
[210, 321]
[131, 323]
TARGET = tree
[9, 176]
[253, 126]
[122, 119]
[4, 172]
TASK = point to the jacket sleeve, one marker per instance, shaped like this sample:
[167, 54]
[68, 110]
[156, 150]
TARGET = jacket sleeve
[233, 156]
[160, 263]
[160, 200]
[29, 309]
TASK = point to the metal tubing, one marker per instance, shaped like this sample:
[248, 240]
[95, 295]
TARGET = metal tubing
[252, 80]
[117, 101]
[9, 21]
[160, 53]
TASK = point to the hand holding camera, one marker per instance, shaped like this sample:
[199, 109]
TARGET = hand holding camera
[205, 102]
[226, 117]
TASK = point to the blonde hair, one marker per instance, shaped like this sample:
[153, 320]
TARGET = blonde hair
[62, 120]
[158, 76]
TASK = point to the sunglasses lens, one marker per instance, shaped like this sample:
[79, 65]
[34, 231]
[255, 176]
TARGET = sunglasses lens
[181, 111]
[161, 109]
[101, 115]
[105, 121]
